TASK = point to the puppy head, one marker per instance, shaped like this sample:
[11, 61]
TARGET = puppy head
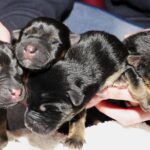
[138, 43]
[11, 88]
[53, 100]
[141, 64]
[42, 42]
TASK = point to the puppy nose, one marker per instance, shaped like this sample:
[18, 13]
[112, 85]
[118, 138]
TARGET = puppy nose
[30, 49]
[15, 93]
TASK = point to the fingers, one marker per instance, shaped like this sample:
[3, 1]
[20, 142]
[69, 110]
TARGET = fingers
[110, 93]
[116, 93]
[125, 116]
[4, 34]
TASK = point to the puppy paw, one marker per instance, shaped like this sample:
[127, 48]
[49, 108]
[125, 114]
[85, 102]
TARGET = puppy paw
[75, 143]
[3, 142]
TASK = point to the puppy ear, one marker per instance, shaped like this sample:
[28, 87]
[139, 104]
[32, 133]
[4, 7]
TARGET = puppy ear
[15, 34]
[74, 38]
[76, 97]
[134, 60]
[20, 71]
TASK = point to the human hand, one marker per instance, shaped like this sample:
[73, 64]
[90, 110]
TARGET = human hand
[4, 34]
[125, 116]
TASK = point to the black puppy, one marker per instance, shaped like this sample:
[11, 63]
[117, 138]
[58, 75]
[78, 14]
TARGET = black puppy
[61, 93]
[42, 42]
[11, 89]
[139, 78]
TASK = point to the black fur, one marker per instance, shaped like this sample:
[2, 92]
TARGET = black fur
[139, 57]
[41, 43]
[11, 88]
[60, 93]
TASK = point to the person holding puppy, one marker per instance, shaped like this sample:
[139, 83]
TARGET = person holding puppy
[125, 116]
[15, 14]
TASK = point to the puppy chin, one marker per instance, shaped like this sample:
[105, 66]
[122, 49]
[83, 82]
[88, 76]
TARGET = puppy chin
[26, 63]
[7, 104]
[30, 64]
[37, 126]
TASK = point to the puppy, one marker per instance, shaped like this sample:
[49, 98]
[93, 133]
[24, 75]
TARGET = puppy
[11, 89]
[61, 93]
[42, 42]
[139, 76]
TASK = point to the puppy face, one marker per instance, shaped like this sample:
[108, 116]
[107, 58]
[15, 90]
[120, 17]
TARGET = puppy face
[11, 88]
[51, 102]
[41, 43]
[139, 49]
[141, 64]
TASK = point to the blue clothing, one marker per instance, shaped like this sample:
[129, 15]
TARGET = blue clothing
[84, 17]
[14, 14]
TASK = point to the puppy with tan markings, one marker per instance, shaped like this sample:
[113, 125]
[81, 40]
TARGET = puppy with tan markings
[42, 42]
[11, 88]
[61, 93]
[139, 76]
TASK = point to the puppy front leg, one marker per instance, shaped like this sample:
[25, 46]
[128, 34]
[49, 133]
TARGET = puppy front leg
[75, 139]
[121, 82]
[3, 134]
[138, 89]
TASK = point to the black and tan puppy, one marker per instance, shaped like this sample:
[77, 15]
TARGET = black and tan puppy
[42, 42]
[11, 89]
[139, 78]
[61, 93]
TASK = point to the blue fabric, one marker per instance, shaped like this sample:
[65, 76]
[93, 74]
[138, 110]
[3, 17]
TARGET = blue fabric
[85, 17]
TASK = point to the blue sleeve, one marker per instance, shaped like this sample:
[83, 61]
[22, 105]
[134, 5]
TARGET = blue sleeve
[14, 14]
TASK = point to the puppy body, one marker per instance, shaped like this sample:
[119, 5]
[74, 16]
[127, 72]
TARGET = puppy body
[139, 76]
[41, 43]
[60, 93]
[11, 89]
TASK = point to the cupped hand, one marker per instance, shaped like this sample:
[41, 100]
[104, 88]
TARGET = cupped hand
[125, 116]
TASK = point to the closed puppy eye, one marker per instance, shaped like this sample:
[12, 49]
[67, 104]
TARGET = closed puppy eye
[54, 41]
[25, 33]
[147, 82]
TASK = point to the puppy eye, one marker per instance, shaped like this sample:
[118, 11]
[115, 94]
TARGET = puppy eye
[54, 41]
[25, 33]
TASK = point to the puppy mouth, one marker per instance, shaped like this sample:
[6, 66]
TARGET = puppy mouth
[36, 127]
[6, 105]
[30, 64]
[36, 123]
[26, 62]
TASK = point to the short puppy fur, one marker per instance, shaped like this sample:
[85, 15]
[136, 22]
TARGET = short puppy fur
[11, 88]
[138, 46]
[61, 93]
[42, 42]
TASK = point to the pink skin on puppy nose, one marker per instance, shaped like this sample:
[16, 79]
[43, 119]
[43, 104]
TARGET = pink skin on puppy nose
[16, 93]
[30, 49]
